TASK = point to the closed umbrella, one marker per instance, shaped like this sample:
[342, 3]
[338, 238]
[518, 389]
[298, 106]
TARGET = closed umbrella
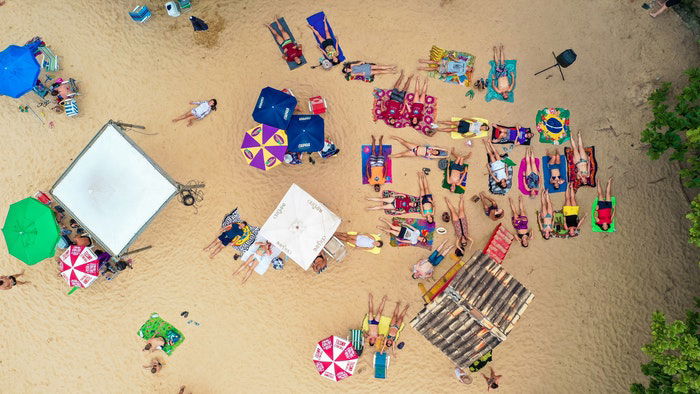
[30, 231]
[306, 133]
[274, 108]
[79, 266]
[335, 358]
[19, 69]
[264, 146]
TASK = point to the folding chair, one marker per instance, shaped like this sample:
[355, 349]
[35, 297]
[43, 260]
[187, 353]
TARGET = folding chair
[335, 248]
[358, 341]
[140, 14]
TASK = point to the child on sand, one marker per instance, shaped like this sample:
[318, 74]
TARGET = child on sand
[519, 221]
[572, 221]
[496, 166]
[202, 109]
[7, 282]
[292, 50]
[376, 165]
[462, 126]
[503, 81]
[415, 114]
[546, 216]
[457, 171]
[604, 211]
[415, 150]
[372, 334]
[394, 107]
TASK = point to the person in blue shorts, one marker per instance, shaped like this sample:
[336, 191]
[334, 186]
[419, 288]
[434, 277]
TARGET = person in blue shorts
[227, 235]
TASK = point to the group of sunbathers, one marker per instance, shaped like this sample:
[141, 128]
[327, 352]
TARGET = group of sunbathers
[372, 336]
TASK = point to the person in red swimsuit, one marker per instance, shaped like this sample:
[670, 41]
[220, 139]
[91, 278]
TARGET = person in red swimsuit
[416, 111]
[394, 107]
[604, 212]
[400, 203]
[292, 50]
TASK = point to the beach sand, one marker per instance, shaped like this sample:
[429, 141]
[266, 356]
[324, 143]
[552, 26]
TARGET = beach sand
[593, 295]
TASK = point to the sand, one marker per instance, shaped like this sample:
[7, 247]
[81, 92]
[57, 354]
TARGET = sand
[593, 294]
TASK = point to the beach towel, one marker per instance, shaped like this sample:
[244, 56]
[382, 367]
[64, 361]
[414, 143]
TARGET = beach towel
[521, 174]
[571, 168]
[381, 96]
[264, 262]
[281, 24]
[374, 250]
[459, 189]
[429, 114]
[366, 150]
[250, 233]
[481, 134]
[495, 188]
[357, 340]
[553, 125]
[426, 229]
[558, 229]
[519, 138]
[438, 54]
[316, 20]
[415, 203]
[381, 364]
[155, 326]
[511, 66]
[547, 174]
[595, 227]
[357, 77]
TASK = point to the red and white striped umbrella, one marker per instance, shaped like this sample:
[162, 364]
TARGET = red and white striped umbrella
[335, 358]
[79, 266]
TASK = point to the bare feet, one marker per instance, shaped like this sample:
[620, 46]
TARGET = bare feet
[189, 123]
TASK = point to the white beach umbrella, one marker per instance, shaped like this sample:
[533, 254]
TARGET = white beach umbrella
[300, 226]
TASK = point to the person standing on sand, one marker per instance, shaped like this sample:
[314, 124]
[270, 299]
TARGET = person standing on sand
[7, 282]
[492, 381]
[202, 109]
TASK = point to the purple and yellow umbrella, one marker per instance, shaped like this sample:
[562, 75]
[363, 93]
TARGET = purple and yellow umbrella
[264, 146]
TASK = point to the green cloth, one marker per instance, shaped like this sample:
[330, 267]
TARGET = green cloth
[508, 161]
[157, 327]
[594, 225]
[459, 189]
[30, 230]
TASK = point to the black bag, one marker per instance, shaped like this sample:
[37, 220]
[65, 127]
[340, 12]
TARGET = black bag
[566, 58]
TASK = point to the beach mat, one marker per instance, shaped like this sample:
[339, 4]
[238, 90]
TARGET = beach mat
[547, 174]
[595, 227]
[283, 24]
[366, 150]
[374, 250]
[513, 137]
[382, 95]
[264, 262]
[249, 236]
[429, 114]
[521, 174]
[495, 188]
[459, 189]
[511, 66]
[155, 326]
[553, 125]
[415, 203]
[571, 168]
[427, 230]
[438, 54]
[316, 20]
[456, 136]
[384, 323]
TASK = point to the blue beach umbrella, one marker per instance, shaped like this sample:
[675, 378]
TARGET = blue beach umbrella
[274, 108]
[19, 70]
[305, 133]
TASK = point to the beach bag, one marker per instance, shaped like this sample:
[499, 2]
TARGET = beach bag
[566, 58]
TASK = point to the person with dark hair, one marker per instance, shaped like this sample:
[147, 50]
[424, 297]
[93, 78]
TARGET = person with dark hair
[492, 381]
[664, 6]
[320, 263]
[7, 282]
[376, 165]
[393, 108]
[292, 50]
[459, 221]
[328, 45]
[604, 210]
[457, 172]
[519, 221]
[556, 178]
[155, 343]
[497, 167]
[227, 235]
[264, 249]
[572, 221]
[367, 70]
[404, 233]
[546, 217]
[427, 205]
[202, 109]
[372, 333]
[491, 209]
[360, 240]
[415, 150]
[155, 365]
[394, 327]
[415, 113]
[424, 268]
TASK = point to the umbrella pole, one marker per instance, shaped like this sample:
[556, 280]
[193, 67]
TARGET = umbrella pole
[137, 250]
[72, 290]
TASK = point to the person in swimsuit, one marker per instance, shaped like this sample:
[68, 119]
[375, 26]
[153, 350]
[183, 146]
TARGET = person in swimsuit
[465, 126]
[227, 235]
[496, 166]
[459, 221]
[572, 222]
[604, 211]
[503, 81]
[445, 66]
[372, 334]
[546, 216]
[491, 209]
[427, 205]
[155, 343]
[202, 109]
[292, 50]
[367, 70]
[320, 263]
[457, 171]
[155, 366]
[404, 233]
[519, 221]
[7, 282]
[360, 240]
[415, 150]
[415, 113]
[581, 160]
[424, 268]
[531, 175]
[555, 176]
[492, 381]
[395, 106]
[264, 249]
[517, 136]
[401, 203]
[463, 376]
[664, 6]
[376, 165]
[328, 45]
[394, 326]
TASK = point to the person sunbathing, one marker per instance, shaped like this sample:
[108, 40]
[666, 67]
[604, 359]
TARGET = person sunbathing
[394, 327]
[515, 135]
[604, 211]
[491, 209]
[7, 282]
[582, 161]
[401, 203]
[155, 343]
[546, 216]
[503, 81]
[424, 268]
[376, 165]
[531, 175]
[492, 380]
[394, 107]
[264, 249]
[572, 221]
[424, 151]
[555, 176]
[292, 50]
[519, 221]
[367, 70]
[372, 333]
[404, 233]
[202, 109]
[463, 126]
[458, 170]
[459, 221]
[328, 45]
[415, 113]
[427, 205]
[360, 240]
[155, 365]
[445, 66]
[227, 235]
[496, 166]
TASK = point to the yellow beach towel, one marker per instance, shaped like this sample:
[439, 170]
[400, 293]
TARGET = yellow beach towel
[383, 328]
[482, 133]
[376, 237]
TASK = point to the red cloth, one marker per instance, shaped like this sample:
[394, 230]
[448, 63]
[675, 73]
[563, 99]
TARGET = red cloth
[402, 203]
[291, 51]
[417, 111]
[604, 216]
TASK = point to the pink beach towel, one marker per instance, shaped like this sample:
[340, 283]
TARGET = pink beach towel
[521, 176]
[429, 114]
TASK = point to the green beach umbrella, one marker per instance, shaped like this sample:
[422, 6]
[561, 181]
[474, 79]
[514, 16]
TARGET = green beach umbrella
[30, 231]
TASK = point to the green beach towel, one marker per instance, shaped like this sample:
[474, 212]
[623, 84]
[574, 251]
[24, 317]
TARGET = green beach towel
[596, 228]
[511, 66]
[157, 327]
[459, 189]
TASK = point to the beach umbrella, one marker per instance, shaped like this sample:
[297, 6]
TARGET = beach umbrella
[300, 226]
[264, 146]
[19, 69]
[31, 231]
[335, 358]
[79, 266]
[274, 108]
[198, 24]
[306, 133]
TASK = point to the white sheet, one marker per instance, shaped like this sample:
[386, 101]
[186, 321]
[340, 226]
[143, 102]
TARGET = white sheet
[264, 261]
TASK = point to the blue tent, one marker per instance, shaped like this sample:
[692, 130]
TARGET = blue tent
[274, 108]
[305, 133]
[19, 70]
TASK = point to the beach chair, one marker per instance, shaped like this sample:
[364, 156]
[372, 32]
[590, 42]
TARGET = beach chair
[184, 4]
[335, 248]
[358, 341]
[140, 14]
[49, 61]
[71, 107]
[381, 364]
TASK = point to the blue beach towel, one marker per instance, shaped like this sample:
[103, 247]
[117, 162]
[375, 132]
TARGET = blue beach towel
[547, 174]
[316, 20]
[491, 94]
[282, 25]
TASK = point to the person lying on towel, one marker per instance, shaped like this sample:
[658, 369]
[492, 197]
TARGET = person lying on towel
[517, 136]
[463, 126]
[555, 176]
[604, 211]
[395, 106]
[458, 170]
[572, 220]
[503, 81]
[581, 160]
[497, 167]
[292, 50]
[376, 165]
[404, 233]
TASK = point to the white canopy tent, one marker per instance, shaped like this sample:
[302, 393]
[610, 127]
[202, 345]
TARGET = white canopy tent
[300, 226]
[113, 189]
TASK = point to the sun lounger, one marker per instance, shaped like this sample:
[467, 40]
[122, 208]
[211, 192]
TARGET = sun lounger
[357, 339]
[140, 14]
[316, 20]
[427, 230]
[459, 189]
[481, 134]
[491, 94]
[49, 61]
[595, 227]
[381, 365]
[71, 107]
[547, 174]
[572, 170]
[553, 125]
[521, 174]
[281, 24]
